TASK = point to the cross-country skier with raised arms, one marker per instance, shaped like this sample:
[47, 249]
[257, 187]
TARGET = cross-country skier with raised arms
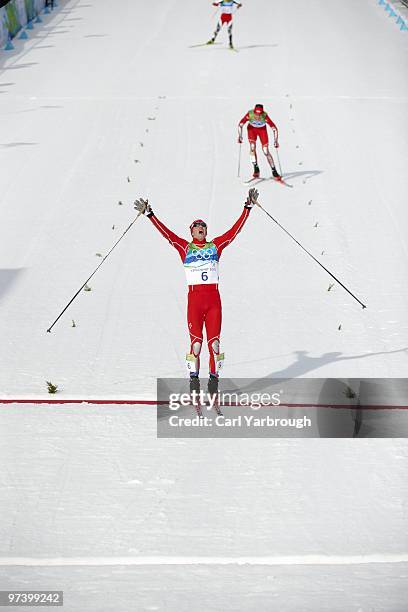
[228, 8]
[257, 120]
[200, 259]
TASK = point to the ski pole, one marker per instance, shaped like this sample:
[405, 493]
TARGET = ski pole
[279, 164]
[312, 256]
[94, 272]
[239, 160]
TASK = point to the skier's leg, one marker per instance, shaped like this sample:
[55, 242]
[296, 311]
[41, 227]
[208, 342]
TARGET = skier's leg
[252, 149]
[217, 29]
[252, 152]
[268, 156]
[254, 159]
[195, 349]
[195, 321]
[213, 330]
[265, 148]
[230, 35]
[252, 135]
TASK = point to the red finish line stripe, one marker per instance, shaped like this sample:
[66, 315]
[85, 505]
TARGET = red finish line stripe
[165, 403]
[82, 401]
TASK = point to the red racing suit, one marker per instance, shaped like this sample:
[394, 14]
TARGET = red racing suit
[204, 302]
[227, 10]
[257, 127]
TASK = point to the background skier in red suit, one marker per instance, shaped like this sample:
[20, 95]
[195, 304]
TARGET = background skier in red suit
[257, 120]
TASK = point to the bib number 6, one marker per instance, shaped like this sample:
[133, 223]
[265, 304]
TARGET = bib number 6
[204, 276]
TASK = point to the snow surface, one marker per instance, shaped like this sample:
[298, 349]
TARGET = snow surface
[94, 482]
[90, 93]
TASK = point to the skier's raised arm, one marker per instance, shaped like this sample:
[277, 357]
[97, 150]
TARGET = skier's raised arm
[180, 244]
[225, 239]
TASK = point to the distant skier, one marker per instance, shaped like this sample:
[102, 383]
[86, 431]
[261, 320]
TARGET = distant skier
[228, 8]
[258, 119]
[200, 259]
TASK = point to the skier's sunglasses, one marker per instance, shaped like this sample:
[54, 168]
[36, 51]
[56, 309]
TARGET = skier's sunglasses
[199, 225]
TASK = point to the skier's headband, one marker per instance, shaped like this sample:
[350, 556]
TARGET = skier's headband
[258, 108]
[198, 223]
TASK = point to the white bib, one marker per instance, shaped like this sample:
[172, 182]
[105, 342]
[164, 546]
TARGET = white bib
[201, 264]
[227, 10]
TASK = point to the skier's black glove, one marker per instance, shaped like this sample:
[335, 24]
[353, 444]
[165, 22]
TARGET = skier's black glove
[252, 198]
[143, 207]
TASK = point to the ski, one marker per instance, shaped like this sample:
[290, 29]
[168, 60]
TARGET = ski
[199, 411]
[206, 44]
[254, 180]
[281, 181]
[260, 179]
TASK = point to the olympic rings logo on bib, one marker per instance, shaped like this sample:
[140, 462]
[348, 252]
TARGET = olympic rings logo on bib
[203, 253]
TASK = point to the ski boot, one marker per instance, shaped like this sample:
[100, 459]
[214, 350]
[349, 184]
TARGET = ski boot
[256, 171]
[211, 41]
[212, 384]
[213, 390]
[194, 383]
[231, 46]
[275, 173]
[195, 386]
